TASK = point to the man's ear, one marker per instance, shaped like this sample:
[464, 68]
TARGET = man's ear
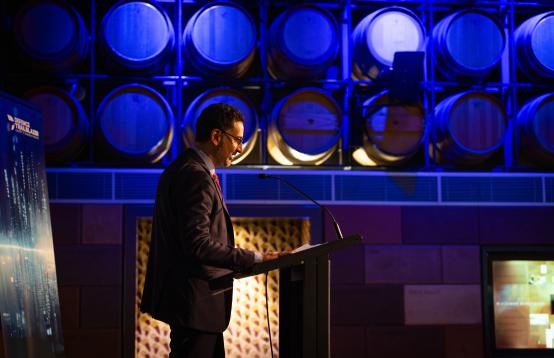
[215, 136]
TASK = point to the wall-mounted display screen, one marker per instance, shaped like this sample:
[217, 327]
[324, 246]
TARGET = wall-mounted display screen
[518, 294]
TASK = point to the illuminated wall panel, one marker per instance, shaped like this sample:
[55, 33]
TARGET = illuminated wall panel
[247, 334]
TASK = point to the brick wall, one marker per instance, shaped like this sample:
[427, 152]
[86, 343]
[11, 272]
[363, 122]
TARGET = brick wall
[89, 261]
[412, 289]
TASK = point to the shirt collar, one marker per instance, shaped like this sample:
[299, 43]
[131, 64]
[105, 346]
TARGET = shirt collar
[207, 161]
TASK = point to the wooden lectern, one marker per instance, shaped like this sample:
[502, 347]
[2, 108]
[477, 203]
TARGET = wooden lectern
[303, 297]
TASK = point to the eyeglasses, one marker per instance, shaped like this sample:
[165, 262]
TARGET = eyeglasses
[236, 139]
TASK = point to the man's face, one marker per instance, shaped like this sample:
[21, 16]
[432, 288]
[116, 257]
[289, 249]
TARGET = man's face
[230, 144]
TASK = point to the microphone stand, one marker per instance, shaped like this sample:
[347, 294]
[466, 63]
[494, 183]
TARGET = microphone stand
[335, 223]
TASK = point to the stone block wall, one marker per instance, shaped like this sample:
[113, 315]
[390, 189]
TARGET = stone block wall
[412, 289]
[88, 244]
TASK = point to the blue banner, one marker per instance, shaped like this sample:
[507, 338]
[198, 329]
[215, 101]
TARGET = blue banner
[29, 304]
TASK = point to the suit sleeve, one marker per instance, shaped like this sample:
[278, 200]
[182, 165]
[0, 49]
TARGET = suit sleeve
[194, 203]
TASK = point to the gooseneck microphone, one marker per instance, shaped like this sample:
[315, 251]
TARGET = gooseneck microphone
[335, 224]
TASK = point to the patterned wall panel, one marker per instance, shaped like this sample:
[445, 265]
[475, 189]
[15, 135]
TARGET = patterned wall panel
[247, 334]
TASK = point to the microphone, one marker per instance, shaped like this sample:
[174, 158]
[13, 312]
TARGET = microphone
[335, 223]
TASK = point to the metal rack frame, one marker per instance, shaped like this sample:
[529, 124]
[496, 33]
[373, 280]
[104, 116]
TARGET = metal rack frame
[176, 80]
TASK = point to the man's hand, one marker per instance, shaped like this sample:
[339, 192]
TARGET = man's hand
[273, 255]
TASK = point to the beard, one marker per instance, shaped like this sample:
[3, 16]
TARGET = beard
[226, 160]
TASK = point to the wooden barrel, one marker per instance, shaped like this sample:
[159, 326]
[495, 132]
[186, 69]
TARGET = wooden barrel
[135, 123]
[394, 132]
[382, 33]
[303, 43]
[304, 128]
[52, 33]
[231, 97]
[534, 41]
[220, 40]
[470, 127]
[468, 43]
[137, 35]
[535, 129]
[64, 121]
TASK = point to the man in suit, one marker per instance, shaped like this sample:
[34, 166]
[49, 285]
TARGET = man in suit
[193, 240]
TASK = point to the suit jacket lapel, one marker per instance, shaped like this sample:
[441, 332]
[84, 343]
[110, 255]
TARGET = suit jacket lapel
[219, 194]
[218, 191]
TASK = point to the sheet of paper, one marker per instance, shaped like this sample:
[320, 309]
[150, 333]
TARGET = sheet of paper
[302, 248]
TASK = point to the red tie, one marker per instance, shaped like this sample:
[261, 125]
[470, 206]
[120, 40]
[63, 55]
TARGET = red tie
[216, 179]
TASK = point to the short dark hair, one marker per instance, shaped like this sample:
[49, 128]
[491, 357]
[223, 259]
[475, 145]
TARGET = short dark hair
[216, 116]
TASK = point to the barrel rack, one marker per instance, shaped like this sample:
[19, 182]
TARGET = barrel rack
[91, 81]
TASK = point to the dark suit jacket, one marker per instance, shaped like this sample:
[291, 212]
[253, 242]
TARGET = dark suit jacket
[192, 241]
